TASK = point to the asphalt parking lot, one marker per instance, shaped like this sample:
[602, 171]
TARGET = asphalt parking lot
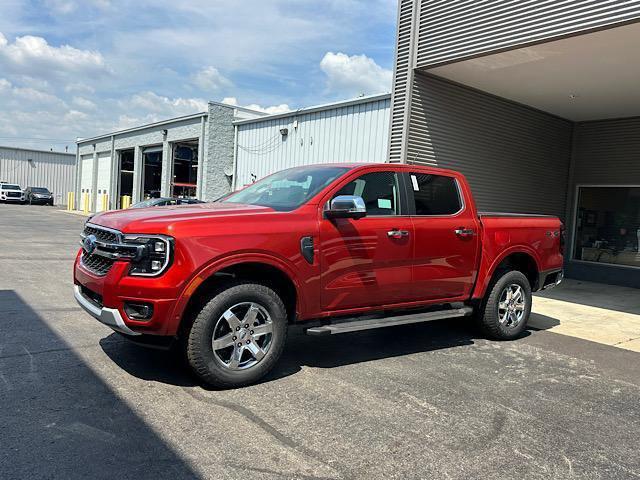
[422, 401]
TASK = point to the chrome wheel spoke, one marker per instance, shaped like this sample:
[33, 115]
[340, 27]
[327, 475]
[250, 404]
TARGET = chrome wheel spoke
[223, 342]
[502, 305]
[255, 350]
[520, 307]
[251, 315]
[263, 329]
[236, 356]
[231, 319]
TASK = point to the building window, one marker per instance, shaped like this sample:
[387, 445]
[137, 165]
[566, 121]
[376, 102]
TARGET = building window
[608, 225]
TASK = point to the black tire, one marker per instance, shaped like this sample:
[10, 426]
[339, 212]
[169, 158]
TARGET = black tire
[199, 349]
[488, 316]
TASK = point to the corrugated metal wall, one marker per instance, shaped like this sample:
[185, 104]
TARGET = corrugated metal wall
[354, 133]
[55, 171]
[502, 148]
[451, 31]
[402, 78]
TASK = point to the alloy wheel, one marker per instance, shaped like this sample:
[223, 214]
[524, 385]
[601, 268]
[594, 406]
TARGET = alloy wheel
[242, 336]
[512, 306]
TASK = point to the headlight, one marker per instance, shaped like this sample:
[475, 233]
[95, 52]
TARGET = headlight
[155, 256]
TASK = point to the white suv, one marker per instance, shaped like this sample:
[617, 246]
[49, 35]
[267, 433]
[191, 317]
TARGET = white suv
[10, 192]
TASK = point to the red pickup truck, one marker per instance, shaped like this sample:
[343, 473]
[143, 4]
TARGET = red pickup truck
[340, 247]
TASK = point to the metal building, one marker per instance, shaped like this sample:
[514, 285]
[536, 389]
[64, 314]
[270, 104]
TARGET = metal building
[538, 104]
[39, 168]
[349, 131]
[190, 156]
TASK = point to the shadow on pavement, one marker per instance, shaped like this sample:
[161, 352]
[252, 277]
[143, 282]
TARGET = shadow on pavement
[59, 419]
[302, 350]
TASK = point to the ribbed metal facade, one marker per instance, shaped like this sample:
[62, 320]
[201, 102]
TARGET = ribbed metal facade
[357, 131]
[53, 170]
[450, 31]
[515, 158]
[402, 78]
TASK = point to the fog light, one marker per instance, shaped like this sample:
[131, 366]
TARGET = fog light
[138, 311]
[156, 265]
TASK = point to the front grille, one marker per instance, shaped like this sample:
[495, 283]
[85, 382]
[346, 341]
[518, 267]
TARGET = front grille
[96, 264]
[102, 235]
[14, 194]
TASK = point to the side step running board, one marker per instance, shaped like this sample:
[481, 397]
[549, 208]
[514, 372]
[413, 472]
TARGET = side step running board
[358, 325]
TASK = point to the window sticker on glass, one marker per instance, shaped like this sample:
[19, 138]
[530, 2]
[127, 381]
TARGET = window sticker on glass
[384, 203]
[414, 182]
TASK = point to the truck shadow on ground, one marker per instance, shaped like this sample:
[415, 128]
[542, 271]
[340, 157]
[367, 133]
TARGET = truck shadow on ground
[59, 418]
[302, 350]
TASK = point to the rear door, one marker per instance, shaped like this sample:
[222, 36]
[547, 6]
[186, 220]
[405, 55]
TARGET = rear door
[446, 237]
[368, 262]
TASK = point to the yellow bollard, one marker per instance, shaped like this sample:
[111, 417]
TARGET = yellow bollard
[125, 202]
[71, 200]
[86, 203]
[104, 202]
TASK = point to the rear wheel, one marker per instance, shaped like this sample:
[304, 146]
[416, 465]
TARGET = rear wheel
[505, 311]
[238, 336]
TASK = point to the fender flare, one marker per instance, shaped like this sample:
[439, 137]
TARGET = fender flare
[483, 282]
[210, 269]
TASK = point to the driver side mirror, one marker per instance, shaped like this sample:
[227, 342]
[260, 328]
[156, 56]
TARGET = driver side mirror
[346, 206]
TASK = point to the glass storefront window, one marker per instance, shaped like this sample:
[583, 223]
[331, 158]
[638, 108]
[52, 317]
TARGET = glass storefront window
[608, 225]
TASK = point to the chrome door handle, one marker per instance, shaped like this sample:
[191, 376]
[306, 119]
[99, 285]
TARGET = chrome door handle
[397, 233]
[464, 232]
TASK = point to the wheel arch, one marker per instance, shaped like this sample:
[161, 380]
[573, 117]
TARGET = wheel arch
[520, 259]
[267, 270]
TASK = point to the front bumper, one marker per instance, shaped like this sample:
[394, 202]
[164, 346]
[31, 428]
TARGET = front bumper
[109, 316]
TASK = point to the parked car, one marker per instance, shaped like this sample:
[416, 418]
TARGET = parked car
[339, 248]
[164, 201]
[38, 195]
[10, 192]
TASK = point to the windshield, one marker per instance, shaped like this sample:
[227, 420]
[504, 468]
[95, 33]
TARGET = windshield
[152, 202]
[287, 190]
[8, 186]
[39, 190]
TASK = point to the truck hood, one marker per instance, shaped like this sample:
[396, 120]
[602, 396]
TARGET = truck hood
[162, 220]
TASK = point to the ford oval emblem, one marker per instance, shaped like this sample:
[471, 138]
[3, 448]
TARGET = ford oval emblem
[89, 244]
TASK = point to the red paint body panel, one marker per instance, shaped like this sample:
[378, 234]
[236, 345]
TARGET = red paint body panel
[357, 267]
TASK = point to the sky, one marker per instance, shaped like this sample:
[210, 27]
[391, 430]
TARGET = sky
[79, 68]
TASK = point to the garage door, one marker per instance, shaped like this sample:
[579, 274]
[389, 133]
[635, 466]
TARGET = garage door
[104, 178]
[87, 173]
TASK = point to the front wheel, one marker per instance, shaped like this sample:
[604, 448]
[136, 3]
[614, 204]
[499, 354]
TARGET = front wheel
[505, 311]
[238, 336]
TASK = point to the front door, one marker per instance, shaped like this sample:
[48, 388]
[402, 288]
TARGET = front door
[446, 238]
[367, 262]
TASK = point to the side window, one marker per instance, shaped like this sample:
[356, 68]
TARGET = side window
[435, 194]
[379, 190]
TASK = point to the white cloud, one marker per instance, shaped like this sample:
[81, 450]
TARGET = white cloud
[66, 7]
[209, 78]
[354, 75]
[83, 103]
[33, 55]
[274, 109]
[165, 106]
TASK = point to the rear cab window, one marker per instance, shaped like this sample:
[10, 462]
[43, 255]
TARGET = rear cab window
[434, 195]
